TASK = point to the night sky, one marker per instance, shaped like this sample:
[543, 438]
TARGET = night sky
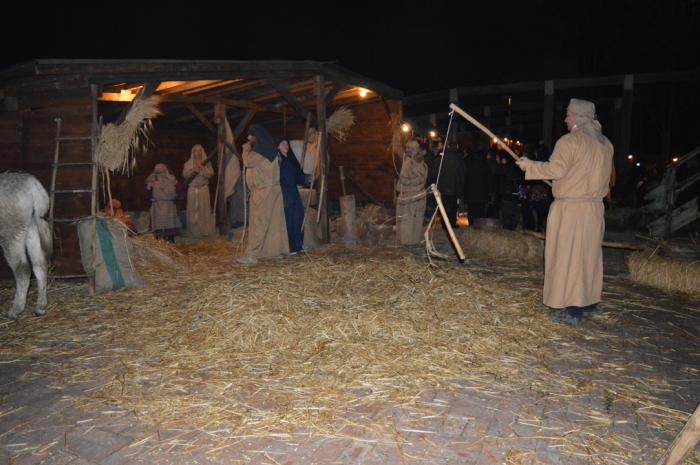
[416, 46]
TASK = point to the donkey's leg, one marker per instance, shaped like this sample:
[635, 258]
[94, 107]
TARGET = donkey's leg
[39, 266]
[17, 259]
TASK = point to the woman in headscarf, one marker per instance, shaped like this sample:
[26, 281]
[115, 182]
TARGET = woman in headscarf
[267, 233]
[291, 175]
[164, 220]
[200, 220]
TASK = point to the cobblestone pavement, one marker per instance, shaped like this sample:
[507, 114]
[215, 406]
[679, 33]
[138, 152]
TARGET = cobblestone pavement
[656, 339]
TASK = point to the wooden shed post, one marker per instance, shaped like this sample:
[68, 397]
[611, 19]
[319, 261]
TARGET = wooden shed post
[548, 120]
[320, 93]
[220, 112]
[93, 201]
[454, 98]
[626, 128]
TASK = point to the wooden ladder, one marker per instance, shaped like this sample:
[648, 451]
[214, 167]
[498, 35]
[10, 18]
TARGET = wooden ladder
[92, 190]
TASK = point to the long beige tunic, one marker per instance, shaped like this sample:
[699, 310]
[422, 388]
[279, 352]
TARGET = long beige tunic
[410, 204]
[267, 234]
[200, 219]
[580, 171]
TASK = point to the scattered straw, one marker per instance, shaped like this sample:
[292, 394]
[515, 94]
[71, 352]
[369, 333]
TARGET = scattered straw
[313, 343]
[118, 141]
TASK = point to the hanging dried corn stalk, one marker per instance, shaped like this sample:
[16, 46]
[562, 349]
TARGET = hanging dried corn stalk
[340, 122]
[118, 141]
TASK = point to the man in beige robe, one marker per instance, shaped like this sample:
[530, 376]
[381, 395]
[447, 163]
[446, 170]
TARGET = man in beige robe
[579, 168]
[410, 203]
[267, 232]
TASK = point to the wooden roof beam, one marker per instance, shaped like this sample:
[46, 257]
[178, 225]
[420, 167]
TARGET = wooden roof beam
[330, 95]
[288, 96]
[237, 86]
[230, 102]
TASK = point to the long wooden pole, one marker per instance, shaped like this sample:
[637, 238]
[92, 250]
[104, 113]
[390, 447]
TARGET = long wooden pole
[684, 442]
[612, 245]
[446, 219]
[306, 143]
[486, 130]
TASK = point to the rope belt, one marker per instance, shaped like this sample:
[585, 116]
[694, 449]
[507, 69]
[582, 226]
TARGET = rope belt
[576, 199]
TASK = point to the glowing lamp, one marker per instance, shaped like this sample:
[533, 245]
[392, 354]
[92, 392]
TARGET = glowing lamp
[639, 164]
[630, 156]
[363, 92]
[675, 159]
[406, 128]
[432, 134]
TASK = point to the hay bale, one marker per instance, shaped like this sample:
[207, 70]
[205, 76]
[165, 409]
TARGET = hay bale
[503, 244]
[670, 274]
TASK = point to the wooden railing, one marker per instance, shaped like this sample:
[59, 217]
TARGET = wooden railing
[673, 189]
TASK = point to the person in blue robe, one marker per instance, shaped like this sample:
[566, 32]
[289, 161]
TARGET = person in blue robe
[291, 175]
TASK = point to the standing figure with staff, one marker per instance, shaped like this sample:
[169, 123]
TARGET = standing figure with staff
[580, 168]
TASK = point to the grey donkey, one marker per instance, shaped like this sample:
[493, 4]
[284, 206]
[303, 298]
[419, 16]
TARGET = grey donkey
[25, 232]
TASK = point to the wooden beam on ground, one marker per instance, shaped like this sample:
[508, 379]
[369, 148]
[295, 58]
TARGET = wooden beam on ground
[611, 245]
[684, 442]
[149, 87]
[291, 99]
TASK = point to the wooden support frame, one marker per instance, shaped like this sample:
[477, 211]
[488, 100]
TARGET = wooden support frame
[319, 90]
[213, 130]
[337, 87]
[221, 207]
[292, 100]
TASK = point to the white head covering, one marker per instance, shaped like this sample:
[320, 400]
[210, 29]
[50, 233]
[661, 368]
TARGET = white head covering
[586, 119]
[160, 177]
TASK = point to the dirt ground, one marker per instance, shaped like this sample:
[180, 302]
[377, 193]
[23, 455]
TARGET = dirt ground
[354, 355]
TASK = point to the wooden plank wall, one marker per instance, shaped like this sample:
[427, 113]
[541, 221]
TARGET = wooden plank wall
[33, 131]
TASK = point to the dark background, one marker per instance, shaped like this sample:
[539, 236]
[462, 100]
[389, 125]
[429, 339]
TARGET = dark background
[416, 46]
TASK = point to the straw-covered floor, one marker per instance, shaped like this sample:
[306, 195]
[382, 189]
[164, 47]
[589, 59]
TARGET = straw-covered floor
[305, 343]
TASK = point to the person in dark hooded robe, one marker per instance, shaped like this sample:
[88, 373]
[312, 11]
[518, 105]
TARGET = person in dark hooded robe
[290, 176]
[267, 230]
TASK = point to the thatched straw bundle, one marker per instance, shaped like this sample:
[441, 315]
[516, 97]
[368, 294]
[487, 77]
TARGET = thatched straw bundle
[340, 122]
[666, 273]
[118, 141]
[503, 244]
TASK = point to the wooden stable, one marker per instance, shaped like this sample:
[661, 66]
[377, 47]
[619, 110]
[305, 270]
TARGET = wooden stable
[278, 94]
